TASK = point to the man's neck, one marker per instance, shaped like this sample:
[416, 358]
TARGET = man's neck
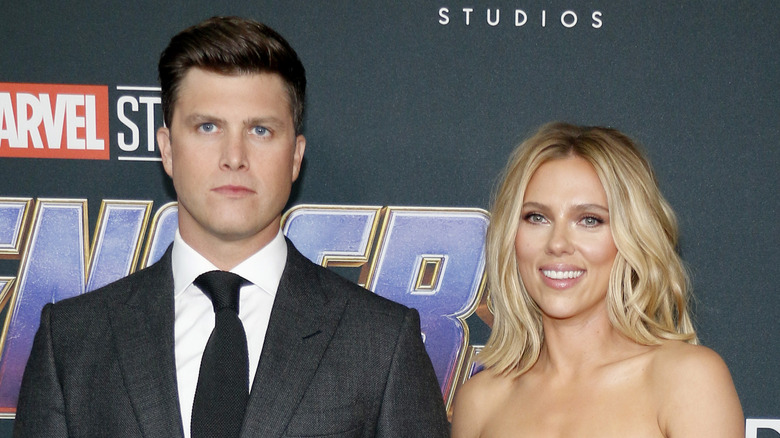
[227, 254]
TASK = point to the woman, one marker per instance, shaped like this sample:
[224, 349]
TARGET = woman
[592, 335]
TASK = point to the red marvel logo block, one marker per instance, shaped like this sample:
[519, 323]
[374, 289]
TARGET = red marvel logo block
[54, 121]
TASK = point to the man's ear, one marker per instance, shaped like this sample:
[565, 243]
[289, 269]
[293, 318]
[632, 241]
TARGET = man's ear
[164, 143]
[300, 148]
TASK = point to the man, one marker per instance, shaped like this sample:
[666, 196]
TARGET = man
[326, 358]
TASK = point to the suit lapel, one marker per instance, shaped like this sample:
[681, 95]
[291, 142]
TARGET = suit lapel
[302, 324]
[143, 333]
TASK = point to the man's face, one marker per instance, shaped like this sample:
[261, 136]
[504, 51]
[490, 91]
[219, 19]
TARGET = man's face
[233, 155]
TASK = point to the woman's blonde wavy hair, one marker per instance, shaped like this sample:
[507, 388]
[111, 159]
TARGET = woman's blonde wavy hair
[648, 293]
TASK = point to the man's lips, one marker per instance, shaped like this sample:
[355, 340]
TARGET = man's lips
[233, 190]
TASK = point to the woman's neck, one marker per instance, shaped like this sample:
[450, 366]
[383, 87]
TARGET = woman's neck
[574, 346]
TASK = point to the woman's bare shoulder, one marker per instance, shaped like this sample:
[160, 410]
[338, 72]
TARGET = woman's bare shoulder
[475, 401]
[695, 392]
[676, 364]
[486, 381]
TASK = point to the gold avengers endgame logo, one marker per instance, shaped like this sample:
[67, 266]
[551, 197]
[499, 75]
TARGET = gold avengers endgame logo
[431, 259]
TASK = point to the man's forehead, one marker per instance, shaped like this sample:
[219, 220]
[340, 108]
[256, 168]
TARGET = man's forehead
[198, 82]
[216, 74]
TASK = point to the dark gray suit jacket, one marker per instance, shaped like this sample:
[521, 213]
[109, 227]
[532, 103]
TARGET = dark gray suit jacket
[338, 361]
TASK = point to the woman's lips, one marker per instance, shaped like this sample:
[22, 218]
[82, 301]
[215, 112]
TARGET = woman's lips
[561, 277]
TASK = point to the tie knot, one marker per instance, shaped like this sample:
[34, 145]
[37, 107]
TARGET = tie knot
[222, 287]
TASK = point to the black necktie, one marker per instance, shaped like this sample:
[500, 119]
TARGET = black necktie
[222, 392]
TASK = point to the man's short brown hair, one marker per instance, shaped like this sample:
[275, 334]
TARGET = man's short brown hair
[231, 46]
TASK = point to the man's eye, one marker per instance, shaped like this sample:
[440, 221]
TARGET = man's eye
[207, 127]
[259, 130]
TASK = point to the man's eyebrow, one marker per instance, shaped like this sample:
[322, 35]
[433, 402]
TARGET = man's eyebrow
[269, 120]
[198, 118]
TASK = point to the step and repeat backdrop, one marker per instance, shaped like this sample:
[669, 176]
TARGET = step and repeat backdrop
[413, 108]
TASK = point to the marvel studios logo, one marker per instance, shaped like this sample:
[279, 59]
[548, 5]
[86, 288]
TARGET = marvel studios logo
[63, 121]
[139, 115]
[518, 18]
[54, 121]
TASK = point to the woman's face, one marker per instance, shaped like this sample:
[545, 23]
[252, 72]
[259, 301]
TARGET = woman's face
[564, 244]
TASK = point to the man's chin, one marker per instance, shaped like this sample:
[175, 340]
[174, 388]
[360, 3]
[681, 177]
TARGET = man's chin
[239, 235]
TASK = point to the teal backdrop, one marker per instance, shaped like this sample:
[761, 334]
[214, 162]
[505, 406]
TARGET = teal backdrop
[413, 104]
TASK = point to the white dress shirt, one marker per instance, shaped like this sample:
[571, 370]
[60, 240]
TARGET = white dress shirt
[194, 311]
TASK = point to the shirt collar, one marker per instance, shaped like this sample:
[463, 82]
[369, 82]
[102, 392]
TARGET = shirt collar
[263, 268]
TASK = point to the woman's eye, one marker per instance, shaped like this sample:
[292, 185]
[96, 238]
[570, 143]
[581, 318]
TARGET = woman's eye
[591, 221]
[534, 218]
